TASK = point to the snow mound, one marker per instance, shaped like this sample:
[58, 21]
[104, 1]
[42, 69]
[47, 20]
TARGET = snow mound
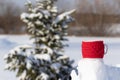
[95, 69]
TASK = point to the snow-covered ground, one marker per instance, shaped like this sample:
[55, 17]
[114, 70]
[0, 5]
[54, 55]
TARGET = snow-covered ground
[8, 42]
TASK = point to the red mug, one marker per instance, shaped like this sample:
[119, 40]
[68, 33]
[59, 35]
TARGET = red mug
[93, 49]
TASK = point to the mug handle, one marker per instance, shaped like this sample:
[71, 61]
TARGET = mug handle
[106, 48]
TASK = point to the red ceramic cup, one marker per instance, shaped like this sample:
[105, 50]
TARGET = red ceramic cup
[93, 49]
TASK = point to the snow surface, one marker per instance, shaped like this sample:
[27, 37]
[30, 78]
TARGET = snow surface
[8, 42]
[95, 69]
[91, 69]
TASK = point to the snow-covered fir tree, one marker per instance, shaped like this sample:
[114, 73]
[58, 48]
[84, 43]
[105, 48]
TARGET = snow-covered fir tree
[44, 60]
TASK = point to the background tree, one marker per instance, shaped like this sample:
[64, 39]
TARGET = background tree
[45, 59]
[10, 22]
[95, 18]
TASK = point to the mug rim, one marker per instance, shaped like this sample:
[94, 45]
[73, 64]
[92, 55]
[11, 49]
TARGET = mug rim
[92, 41]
